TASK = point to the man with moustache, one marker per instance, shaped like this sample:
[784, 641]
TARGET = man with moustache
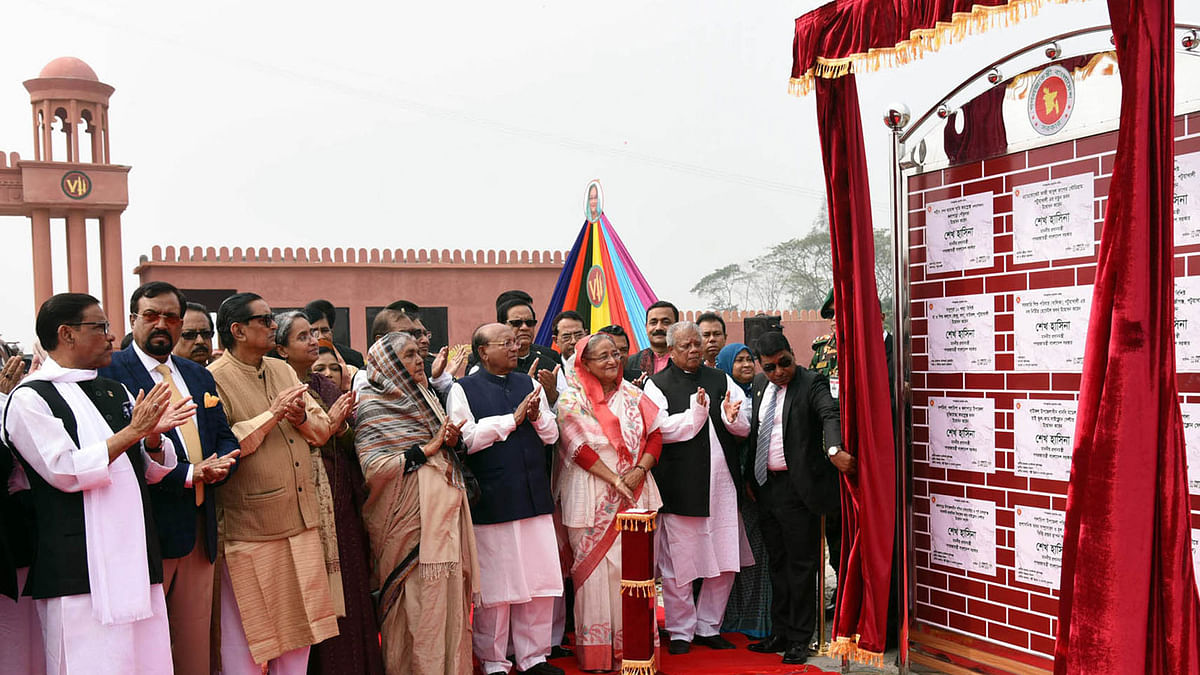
[654, 358]
[89, 450]
[195, 339]
[183, 502]
[506, 424]
[712, 336]
[700, 532]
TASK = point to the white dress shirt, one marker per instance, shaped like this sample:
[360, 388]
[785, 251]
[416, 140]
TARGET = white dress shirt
[156, 377]
[776, 461]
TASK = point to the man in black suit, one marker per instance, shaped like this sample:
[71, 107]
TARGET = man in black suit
[183, 504]
[795, 441]
[322, 316]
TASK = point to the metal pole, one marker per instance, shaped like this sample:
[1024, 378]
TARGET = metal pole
[900, 352]
[821, 646]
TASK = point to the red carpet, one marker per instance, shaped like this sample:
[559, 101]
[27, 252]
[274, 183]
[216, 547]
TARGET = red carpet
[705, 661]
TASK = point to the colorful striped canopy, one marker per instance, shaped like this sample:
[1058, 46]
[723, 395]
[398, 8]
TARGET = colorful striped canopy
[601, 282]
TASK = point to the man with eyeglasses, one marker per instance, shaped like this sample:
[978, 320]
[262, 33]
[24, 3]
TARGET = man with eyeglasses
[700, 535]
[506, 424]
[792, 467]
[184, 502]
[90, 450]
[275, 596]
[518, 315]
[322, 316]
[195, 339]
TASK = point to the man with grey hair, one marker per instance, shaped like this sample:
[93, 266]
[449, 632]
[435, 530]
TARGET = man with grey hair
[700, 534]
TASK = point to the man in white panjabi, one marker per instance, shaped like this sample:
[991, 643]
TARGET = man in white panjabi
[700, 533]
[506, 424]
[89, 449]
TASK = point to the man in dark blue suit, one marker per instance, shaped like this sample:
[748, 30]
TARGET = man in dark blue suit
[183, 504]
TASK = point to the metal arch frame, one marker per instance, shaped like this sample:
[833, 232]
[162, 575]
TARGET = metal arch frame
[1036, 54]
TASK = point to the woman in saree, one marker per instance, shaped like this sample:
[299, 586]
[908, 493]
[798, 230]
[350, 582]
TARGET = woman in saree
[609, 441]
[749, 608]
[417, 514]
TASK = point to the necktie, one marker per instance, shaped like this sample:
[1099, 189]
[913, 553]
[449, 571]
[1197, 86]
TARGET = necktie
[187, 430]
[766, 426]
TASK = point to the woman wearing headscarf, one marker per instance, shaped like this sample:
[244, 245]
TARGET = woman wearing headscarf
[610, 439]
[748, 609]
[355, 649]
[417, 515]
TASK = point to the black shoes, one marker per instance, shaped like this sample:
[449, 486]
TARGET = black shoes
[772, 645]
[560, 652]
[544, 668]
[712, 641]
[795, 654]
[679, 647]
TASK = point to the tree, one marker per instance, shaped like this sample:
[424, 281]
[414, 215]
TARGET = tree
[722, 287]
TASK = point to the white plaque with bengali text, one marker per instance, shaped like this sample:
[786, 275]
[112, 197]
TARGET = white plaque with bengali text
[1038, 535]
[962, 433]
[1050, 328]
[1187, 324]
[962, 334]
[1054, 219]
[1044, 436]
[963, 533]
[958, 233]
[1187, 199]
[1191, 438]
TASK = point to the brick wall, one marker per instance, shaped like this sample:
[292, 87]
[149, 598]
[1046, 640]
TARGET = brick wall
[1016, 619]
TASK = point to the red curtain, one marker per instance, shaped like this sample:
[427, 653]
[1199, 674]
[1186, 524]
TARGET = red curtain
[868, 497]
[1129, 602]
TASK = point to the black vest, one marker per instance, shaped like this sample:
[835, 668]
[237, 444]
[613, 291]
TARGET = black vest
[683, 470]
[513, 480]
[60, 559]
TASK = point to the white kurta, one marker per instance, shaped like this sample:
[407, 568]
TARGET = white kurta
[75, 640]
[518, 560]
[694, 547]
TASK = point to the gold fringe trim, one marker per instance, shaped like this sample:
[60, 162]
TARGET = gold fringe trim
[631, 667]
[638, 589]
[1104, 63]
[848, 648]
[921, 42]
[636, 522]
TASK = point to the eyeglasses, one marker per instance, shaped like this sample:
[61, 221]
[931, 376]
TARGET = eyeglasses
[784, 362]
[419, 333]
[611, 356]
[102, 325]
[324, 330]
[267, 320]
[152, 317]
[507, 344]
[571, 337]
[517, 323]
[193, 334]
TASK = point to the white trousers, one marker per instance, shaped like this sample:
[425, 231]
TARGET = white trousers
[21, 634]
[686, 618]
[77, 643]
[235, 650]
[529, 625]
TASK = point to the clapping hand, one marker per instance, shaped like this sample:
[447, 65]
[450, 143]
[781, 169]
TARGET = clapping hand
[549, 381]
[341, 409]
[11, 374]
[458, 363]
[731, 407]
[288, 405]
[702, 397]
[214, 468]
[439, 363]
[446, 435]
[529, 408]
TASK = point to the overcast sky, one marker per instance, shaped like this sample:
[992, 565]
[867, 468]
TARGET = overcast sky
[454, 125]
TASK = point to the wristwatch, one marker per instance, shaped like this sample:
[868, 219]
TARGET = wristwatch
[832, 452]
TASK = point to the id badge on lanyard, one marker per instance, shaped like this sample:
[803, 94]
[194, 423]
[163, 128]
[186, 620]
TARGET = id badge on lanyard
[833, 387]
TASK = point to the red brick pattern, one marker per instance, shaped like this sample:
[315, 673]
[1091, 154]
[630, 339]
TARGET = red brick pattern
[997, 608]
